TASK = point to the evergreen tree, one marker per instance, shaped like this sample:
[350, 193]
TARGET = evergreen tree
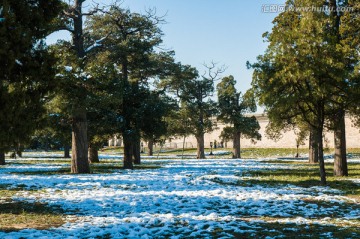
[300, 76]
[194, 93]
[233, 106]
[83, 46]
[26, 68]
[155, 108]
[131, 41]
[349, 32]
[98, 80]
[104, 96]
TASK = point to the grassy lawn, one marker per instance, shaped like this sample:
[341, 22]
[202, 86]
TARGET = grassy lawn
[245, 152]
[307, 175]
[17, 215]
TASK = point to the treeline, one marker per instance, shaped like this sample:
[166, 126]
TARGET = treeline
[112, 78]
[308, 77]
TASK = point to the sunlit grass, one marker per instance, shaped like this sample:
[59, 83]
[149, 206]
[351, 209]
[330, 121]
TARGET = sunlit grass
[307, 175]
[17, 215]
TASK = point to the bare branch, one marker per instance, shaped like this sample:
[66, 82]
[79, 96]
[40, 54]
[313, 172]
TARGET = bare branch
[213, 72]
[95, 10]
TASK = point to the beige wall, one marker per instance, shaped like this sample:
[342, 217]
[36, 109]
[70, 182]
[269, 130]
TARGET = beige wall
[287, 141]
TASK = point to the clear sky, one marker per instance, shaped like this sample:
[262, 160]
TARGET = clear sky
[228, 32]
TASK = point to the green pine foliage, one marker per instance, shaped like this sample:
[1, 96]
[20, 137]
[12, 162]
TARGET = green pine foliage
[197, 108]
[303, 75]
[232, 109]
[26, 67]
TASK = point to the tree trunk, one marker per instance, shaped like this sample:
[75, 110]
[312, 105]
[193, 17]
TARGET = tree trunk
[93, 154]
[319, 138]
[183, 148]
[79, 162]
[151, 147]
[340, 162]
[2, 158]
[236, 146]
[200, 147]
[128, 152]
[313, 148]
[137, 151]
[20, 150]
[67, 151]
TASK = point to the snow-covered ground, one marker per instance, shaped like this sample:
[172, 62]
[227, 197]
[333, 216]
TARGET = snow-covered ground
[183, 198]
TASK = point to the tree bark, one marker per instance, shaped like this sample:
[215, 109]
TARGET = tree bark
[320, 146]
[151, 147]
[67, 151]
[200, 147]
[79, 162]
[313, 148]
[137, 151]
[2, 158]
[93, 154]
[128, 152]
[236, 146]
[340, 161]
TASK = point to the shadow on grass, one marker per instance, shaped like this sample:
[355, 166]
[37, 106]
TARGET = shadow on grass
[42, 157]
[299, 231]
[17, 215]
[98, 168]
[18, 207]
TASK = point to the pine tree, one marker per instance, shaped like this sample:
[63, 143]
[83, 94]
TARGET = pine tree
[156, 107]
[130, 43]
[26, 68]
[194, 94]
[300, 76]
[233, 106]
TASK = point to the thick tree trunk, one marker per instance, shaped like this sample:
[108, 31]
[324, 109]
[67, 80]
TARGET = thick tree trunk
[2, 158]
[79, 162]
[93, 154]
[137, 151]
[340, 161]
[67, 151]
[151, 147]
[200, 147]
[128, 153]
[236, 146]
[313, 148]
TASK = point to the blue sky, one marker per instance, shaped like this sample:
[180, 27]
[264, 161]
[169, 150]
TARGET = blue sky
[200, 31]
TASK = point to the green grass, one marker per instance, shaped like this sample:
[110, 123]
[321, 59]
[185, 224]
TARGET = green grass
[17, 215]
[303, 175]
[307, 175]
[271, 229]
[245, 152]
[105, 166]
